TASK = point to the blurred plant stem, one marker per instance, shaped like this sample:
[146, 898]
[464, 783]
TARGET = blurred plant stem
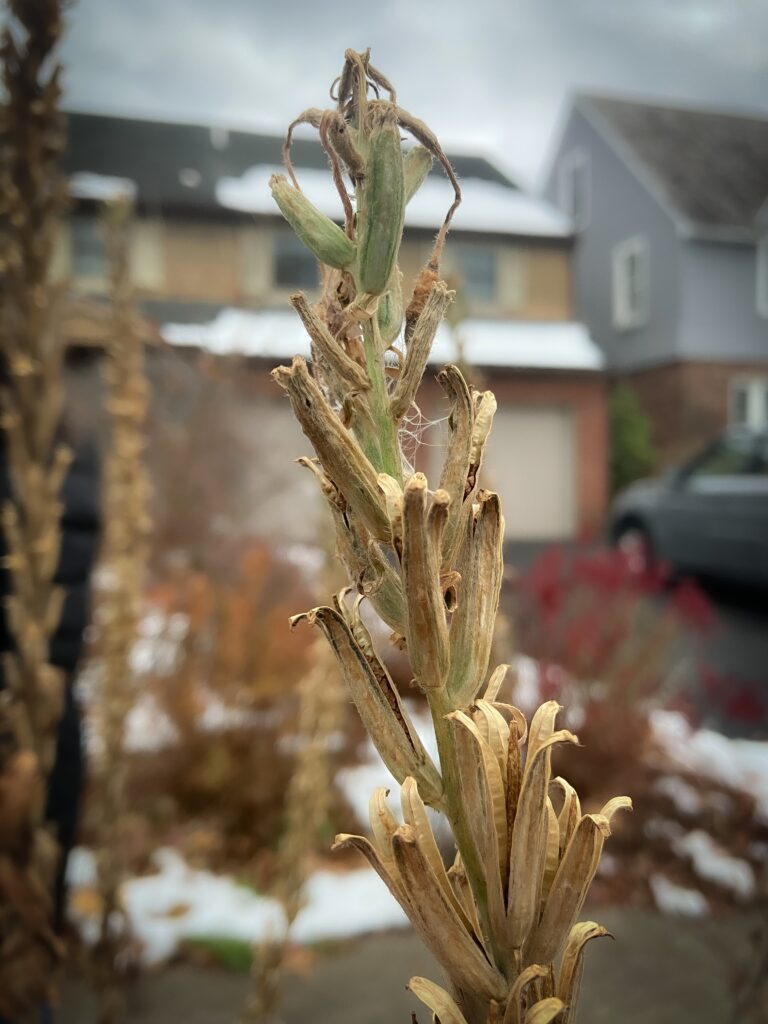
[307, 807]
[117, 616]
[33, 199]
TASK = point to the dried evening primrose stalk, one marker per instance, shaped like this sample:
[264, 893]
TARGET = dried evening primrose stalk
[33, 198]
[429, 560]
[307, 805]
[117, 614]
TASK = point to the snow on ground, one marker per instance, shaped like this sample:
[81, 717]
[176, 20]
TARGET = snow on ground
[671, 898]
[714, 864]
[738, 764]
[685, 797]
[485, 206]
[179, 903]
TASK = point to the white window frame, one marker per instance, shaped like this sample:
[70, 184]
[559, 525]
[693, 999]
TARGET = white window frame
[761, 277]
[757, 401]
[573, 161]
[624, 317]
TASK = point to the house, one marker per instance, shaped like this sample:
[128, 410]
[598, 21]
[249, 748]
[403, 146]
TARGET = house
[670, 207]
[213, 263]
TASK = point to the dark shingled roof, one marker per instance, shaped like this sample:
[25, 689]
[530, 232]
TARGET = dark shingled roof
[711, 167]
[153, 153]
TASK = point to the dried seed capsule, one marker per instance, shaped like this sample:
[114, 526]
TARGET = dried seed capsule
[382, 205]
[417, 164]
[318, 232]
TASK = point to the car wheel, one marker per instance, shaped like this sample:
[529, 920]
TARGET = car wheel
[635, 544]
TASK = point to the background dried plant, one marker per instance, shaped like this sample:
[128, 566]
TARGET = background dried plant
[33, 197]
[118, 611]
[429, 561]
[307, 809]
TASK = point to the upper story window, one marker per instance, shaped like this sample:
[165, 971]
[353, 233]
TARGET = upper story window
[749, 402]
[88, 248]
[762, 277]
[630, 275]
[573, 186]
[476, 267]
[295, 266]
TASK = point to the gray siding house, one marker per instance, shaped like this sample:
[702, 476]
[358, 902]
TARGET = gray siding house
[671, 259]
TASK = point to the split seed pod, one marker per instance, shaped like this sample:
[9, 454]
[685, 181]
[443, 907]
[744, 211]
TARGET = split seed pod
[378, 704]
[427, 625]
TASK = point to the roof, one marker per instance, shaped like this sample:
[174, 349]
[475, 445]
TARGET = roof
[495, 344]
[711, 168]
[194, 168]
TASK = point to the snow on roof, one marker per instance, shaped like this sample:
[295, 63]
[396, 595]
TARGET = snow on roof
[280, 335]
[486, 205]
[103, 187]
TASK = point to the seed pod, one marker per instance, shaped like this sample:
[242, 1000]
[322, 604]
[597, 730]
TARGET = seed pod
[379, 705]
[338, 451]
[481, 568]
[569, 979]
[417, 164]
[391, 310]
[441, 928]
[382, 205]
[343, 365]
[572, 881]
[442, 1005]
[419, 347]
[427, 626]
[318, 232]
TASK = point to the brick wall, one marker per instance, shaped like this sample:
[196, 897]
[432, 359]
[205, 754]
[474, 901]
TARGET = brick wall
[687, 403]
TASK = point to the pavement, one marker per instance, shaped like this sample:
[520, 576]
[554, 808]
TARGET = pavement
[659, 970]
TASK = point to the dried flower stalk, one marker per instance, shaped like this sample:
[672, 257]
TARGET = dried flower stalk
[33, 198]
[307, 806]
[122, 574]
[430, 562]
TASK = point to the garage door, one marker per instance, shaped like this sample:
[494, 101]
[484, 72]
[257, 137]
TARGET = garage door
[530, 461]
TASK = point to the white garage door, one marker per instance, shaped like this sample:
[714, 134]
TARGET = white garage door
[530, 461]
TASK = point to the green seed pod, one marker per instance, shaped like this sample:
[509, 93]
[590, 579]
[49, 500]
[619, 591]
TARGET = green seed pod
[391, 310]
[416, 165]
[318, 232]
[382, 204]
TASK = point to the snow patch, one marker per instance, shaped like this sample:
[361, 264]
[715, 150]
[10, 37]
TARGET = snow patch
[739, 764]
[180, 902]
[102, 187]
[685, 798]
[714, 864]
[671, 898]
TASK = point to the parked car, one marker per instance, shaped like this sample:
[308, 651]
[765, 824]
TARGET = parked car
[707, 517]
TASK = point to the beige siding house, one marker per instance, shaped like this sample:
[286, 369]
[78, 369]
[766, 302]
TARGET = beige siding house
[214, 264]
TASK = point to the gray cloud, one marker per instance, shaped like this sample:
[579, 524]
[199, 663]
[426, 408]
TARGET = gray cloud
[488, 73]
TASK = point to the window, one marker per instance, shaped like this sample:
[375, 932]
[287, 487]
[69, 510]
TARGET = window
[630, 283]
[749, 402]
[295, 266]
[89, 250]
[573, 187]
[762, 277]
[476, 267]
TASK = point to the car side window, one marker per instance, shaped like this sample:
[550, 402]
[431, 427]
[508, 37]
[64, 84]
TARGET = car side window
[730, 456]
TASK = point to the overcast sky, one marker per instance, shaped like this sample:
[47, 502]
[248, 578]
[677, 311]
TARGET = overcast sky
[492, 75]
